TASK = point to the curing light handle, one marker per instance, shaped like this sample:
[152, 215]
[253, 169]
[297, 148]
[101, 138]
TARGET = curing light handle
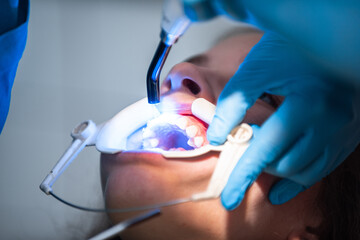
[174, 23]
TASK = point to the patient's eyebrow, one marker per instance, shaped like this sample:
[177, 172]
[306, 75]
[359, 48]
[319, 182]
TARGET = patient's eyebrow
[200, 59]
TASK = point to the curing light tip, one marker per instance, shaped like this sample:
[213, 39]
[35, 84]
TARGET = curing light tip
[153, 74]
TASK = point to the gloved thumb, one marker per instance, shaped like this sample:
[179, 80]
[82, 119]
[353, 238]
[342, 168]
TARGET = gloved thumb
[284, 190]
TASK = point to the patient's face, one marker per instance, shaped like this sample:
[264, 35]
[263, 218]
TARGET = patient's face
[143, 178]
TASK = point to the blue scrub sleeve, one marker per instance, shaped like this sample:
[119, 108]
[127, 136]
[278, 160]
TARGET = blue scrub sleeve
[12, 45]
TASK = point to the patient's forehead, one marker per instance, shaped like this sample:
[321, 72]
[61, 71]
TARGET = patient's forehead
[234, 49]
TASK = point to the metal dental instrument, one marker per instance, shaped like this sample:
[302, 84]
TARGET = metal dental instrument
[118, 228]
[173, 24]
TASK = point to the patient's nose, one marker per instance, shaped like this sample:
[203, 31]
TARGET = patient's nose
[186, 77]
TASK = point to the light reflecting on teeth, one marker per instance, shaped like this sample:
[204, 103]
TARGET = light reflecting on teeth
[154, 142]
[173, 132]
[198, 141]
[181, 122]
[146, 144]
[148, 133]
[191, 131]
[191, 143]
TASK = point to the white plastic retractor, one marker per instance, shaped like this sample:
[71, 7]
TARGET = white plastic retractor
[237, 143]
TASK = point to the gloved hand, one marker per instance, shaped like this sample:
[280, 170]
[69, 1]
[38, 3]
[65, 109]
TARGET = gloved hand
[311, 133]
[331, 38]
[202, 10]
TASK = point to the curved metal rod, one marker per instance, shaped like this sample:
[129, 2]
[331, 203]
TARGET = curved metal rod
[153, 74]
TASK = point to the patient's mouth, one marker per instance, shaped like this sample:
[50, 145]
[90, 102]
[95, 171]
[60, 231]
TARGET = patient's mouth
[174, 132]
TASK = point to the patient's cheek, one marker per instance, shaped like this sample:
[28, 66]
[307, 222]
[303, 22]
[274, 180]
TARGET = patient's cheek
[133, 186]
[146, 181]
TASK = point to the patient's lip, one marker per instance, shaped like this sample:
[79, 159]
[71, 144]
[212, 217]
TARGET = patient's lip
[152, 158]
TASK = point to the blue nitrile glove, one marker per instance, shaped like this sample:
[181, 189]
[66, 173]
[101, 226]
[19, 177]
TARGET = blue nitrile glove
[13, 31]
[331, 38]
[311, 133]
[202, 10]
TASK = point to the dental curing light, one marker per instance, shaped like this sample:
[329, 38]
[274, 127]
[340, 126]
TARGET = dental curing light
[174, 23]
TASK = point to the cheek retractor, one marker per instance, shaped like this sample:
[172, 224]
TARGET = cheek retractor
[230, 152]
[111, 137]
[235, 146]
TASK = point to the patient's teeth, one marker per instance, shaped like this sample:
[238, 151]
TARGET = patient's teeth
[148, 133]
[191, 131]
[154, 142]
[181, 122]
[198, 141]
[191, 143]
[146, 144]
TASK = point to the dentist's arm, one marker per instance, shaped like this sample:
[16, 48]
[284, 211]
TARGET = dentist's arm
[13, 31]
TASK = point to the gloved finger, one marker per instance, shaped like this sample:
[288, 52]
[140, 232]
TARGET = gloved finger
[255, 129]
[275, 136]
[288, 188]
[301, 154]
[330, 156]
[230, 110]
[323, 165]
[295, 159]
[284, 190]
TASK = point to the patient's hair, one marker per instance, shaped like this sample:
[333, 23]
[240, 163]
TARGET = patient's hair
[339, 201]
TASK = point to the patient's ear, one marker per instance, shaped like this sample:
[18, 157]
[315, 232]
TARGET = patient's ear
[301, 235]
